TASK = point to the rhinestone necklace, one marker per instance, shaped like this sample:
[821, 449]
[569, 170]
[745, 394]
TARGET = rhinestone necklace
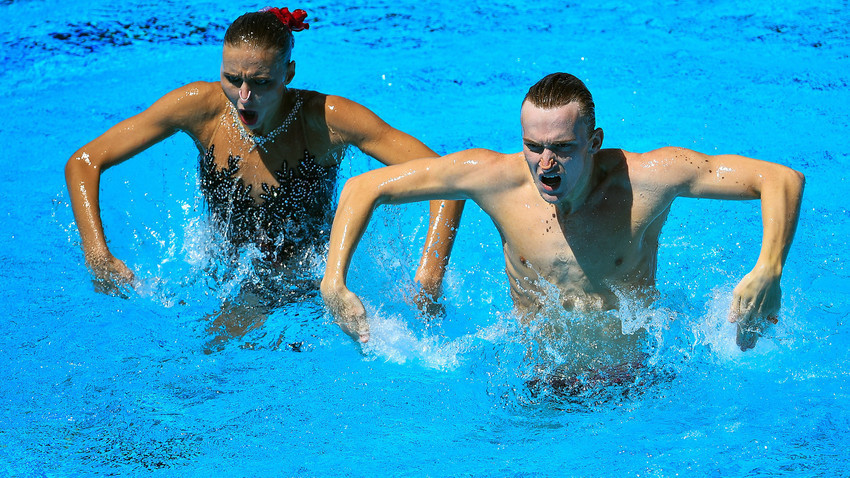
[258, 140]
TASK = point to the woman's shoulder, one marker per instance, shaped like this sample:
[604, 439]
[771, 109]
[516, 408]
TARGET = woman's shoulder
[313, 107]
[333, 113]
[199, 95]
[328, 103]
[312, 100]
[192, 105]
[193, 108]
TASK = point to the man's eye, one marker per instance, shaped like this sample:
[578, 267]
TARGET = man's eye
[536, 148]
[234, 80]
[261, 81]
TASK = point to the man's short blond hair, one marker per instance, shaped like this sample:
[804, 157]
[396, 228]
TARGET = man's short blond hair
[560, 89]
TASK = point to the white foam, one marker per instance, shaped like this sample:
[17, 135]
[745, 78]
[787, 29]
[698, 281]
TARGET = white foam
[394, 339]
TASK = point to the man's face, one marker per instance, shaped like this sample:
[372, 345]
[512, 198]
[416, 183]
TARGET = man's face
[559, 151]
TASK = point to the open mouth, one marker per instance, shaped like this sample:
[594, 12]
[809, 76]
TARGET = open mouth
[551, 182]
[248, 117]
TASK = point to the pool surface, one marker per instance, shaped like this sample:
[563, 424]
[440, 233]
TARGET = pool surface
[93, 385]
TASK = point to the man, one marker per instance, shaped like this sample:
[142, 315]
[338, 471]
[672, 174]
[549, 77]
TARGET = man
[584, 219]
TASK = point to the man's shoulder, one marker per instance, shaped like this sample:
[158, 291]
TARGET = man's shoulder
[480, 172]
[658, 170]
[651, 162]
[490, 156]
[665, 155]
[502, 165]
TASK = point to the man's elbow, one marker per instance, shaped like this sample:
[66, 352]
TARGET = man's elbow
[358, 190]
[800, 178]
[795, 181]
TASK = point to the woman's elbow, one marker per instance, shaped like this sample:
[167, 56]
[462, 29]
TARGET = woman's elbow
[75, 165]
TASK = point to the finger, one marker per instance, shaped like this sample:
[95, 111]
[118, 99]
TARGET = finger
[735, 310]
[355, 329]
[102, 286]
[129, 276]
[350, 332]
[746, 339]
[747, 314]
[362, 329]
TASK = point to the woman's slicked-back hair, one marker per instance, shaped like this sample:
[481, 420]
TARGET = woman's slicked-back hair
[260, 30]
[560, 89]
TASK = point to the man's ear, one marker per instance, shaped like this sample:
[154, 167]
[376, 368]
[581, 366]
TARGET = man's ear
[596, 140]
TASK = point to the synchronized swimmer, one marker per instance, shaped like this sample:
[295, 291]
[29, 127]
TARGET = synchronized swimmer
[268, 166]
[582, 219]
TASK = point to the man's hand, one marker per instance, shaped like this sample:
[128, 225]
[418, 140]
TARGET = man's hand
[755, 303]
[111, 275]
[347, 310]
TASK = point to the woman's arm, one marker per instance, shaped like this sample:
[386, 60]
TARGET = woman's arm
[181, 109]
[355, 124]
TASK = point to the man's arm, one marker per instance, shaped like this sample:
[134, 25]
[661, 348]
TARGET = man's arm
[119, 143]
[357, 125]
[757, 296]
[457, 176]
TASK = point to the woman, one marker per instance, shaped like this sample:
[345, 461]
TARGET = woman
[269, 154]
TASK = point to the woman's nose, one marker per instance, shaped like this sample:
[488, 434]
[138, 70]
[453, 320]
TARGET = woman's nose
[244, 92]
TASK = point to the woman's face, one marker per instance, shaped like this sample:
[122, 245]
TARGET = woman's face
[254, 80]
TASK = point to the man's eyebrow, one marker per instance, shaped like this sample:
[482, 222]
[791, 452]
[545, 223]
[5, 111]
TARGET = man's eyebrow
[557, 142]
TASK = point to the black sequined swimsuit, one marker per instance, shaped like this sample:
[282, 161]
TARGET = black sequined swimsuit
[289, 218]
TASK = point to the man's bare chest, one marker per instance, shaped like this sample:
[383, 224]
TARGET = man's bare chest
[609, 242]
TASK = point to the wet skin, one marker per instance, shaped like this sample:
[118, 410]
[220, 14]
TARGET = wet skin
[254, 80]
[574, 218]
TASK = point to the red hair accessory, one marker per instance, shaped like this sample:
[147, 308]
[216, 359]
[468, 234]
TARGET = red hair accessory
[294, 20]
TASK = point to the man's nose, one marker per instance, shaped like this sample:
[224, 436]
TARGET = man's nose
[547, 159]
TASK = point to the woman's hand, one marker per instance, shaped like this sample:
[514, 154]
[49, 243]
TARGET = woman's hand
[110, 275]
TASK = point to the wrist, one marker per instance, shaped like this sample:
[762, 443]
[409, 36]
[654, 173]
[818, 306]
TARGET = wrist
[772, 269]
[96, 255]
[429, 283]
[332, 284]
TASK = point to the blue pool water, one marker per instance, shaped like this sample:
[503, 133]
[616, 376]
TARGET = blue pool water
[98, 385]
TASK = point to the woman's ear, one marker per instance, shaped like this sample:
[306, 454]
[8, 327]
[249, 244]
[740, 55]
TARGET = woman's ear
[290, 72]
